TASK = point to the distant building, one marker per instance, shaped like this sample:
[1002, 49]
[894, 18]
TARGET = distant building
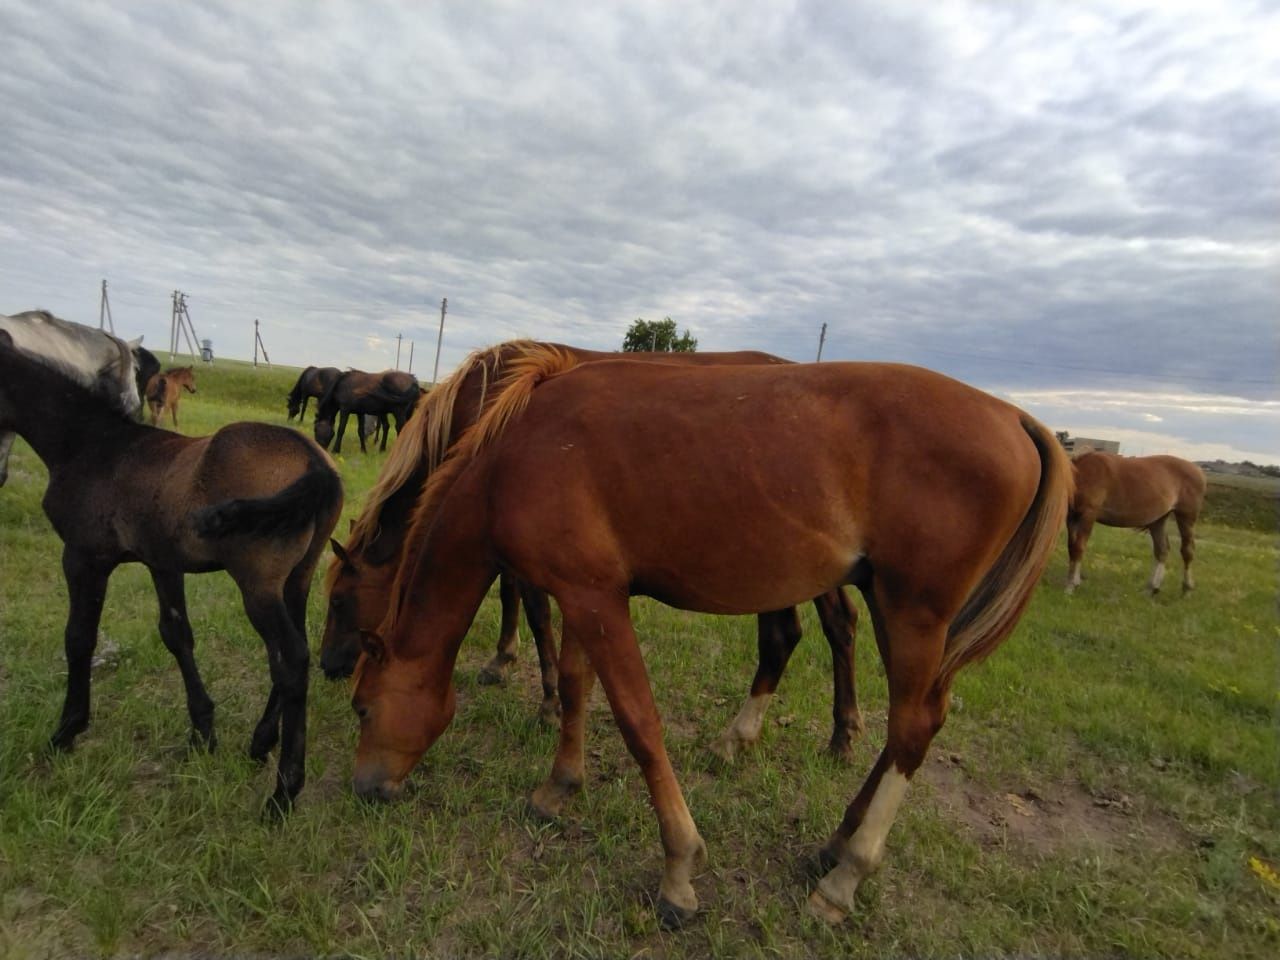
[1074, 445]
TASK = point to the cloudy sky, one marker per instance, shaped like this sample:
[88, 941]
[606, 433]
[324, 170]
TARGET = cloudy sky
[1073, 205]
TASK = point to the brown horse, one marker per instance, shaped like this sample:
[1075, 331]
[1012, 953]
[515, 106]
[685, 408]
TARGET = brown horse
[1138, 492]
[359, 579]
[391, 392]
[255, 500]
[723, 490]
[312, 382]
[164, 390]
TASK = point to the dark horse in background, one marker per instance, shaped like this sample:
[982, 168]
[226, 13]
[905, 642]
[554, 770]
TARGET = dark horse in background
[256, 500]
[312, 382]
[1137, 492]
[359, 579]
[390, 393]
[95, 359]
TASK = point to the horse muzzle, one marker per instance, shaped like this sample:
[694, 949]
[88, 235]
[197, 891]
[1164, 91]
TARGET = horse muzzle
[375, 787]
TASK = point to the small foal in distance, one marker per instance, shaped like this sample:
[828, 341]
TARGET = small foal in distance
[165, 389]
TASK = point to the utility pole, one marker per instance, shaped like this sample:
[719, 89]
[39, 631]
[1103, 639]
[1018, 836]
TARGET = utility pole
[822, 338]
[399, 337]
[257, 342]
[435, 373]
[181, 321]
[411, 342]
[104, 310]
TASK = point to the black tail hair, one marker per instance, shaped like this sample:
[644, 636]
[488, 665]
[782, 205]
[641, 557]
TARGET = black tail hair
[289, 511]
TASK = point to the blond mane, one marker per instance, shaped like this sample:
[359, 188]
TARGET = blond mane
[533, 364]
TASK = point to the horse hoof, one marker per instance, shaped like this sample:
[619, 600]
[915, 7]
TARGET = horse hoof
[490, 676]
[277, 809]
[824, 909]
[672, 916]
[549, 713]
[725, 749]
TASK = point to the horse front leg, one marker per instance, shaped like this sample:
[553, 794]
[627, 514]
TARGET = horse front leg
[602, 625]
[87, 585]
[495, 671]
[1160, 548]
[385, 427]
[342, 428]
[175, 631]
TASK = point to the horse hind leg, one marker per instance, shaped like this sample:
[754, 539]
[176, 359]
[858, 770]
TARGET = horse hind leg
[289, 662]
[1187, 537]
[568, 770]
[777, 634]
[839, 620]
[495, 671]
[917, 707]
[537, 613]
[1079, 527]
[1160, 547]
[175, 631]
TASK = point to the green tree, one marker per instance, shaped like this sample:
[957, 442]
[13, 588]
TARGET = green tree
[658, 336]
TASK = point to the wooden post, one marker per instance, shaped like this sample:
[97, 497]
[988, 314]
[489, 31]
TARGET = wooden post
[435, 373]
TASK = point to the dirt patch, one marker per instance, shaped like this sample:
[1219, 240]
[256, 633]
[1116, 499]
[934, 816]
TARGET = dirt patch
[1046, 818]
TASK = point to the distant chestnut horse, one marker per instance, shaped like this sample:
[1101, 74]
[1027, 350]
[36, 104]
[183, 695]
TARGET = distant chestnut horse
[256, 500]
[1139, 492]
[392, 392]
[724, 490]
[312, 382]
[165, 389]
[359, 579]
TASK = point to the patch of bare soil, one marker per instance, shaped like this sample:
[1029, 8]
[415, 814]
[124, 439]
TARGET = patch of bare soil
[1046, 818]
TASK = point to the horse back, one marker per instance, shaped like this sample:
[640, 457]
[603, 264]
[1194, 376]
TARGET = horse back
[743, 488]
[1136, 491]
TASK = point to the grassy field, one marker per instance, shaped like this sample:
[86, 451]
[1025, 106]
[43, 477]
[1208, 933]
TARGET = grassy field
[1108, 782]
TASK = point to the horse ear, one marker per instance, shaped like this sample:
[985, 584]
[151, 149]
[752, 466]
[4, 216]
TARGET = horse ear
[134, 344]
[5, 339]
[338, 551]
[373, 646]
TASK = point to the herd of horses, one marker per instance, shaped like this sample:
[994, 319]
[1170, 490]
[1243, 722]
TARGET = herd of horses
[732, 483]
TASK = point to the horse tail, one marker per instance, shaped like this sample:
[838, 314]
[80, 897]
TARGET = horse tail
[313, 494]
[993, 608]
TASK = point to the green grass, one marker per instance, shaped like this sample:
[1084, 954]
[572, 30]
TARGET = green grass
[1139, 733]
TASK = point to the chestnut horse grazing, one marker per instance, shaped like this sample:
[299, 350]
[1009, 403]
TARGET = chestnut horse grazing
[1138, 492]
[255, 500]
[724, 490]
[165, 389]
[360, 577]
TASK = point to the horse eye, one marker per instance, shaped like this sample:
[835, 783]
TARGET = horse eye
[361, 710]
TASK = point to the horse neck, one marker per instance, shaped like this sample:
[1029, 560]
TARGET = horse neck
[57, 431]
